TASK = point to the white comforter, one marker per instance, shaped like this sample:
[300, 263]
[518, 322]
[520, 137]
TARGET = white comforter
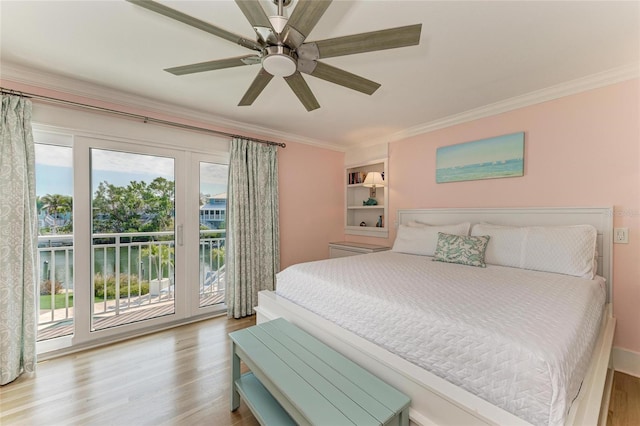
[520, 339]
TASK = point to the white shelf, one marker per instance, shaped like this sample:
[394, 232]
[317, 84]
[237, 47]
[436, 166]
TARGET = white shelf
[357, 193]
[367, 231]
[367, 228]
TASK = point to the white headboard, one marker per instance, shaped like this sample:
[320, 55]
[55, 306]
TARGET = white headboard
[600, 217]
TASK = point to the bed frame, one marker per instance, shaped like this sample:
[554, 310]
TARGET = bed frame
[434, 401]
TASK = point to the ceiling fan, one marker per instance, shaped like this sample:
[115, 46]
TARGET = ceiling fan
[281, 49]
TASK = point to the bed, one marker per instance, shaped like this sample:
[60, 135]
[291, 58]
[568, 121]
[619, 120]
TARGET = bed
[484, 320]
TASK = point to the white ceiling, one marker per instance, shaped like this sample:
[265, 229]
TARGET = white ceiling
[471, 54]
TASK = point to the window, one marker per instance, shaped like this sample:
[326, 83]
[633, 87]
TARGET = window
[213, 180]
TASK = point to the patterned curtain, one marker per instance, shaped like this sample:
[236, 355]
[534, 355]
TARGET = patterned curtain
[253, 237]
[18, 240]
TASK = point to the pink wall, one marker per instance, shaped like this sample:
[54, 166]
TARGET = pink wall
[580, 150]
[311, 202]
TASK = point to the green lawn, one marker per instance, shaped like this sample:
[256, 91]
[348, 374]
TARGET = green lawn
[45, 301]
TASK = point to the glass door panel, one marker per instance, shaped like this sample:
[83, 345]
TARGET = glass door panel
[133, 237]
[54, 198]
[213, 209]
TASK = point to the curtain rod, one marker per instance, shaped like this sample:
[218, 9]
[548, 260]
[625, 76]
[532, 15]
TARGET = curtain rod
[136, 116]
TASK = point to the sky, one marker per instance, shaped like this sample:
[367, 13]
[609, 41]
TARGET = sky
[500, 148]
[54, 174]
[54, 170]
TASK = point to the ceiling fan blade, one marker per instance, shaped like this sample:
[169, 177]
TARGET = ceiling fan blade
[303, 19]
[302, 91]
[360, 43]
[258, 19]
[259, 83]
[341, 77]
[215, 65]
[201, 25]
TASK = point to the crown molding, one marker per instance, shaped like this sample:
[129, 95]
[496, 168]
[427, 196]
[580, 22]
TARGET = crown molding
[32, 77]
[55, 82]
[583, 84]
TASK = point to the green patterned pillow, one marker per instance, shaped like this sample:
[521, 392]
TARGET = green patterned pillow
[461, 249]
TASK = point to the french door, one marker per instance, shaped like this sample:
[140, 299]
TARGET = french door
[144, 242]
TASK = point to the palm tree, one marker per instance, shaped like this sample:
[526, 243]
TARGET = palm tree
[217, 257]
[55, 204]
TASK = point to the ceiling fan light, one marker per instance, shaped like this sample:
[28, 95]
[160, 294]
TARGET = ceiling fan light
[279, 65]
[279, 62]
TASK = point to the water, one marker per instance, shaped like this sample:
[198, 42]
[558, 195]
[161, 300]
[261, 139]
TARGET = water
[491, 170]
[46, 267]
[138, 263]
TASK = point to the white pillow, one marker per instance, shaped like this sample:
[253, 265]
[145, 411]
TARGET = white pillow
[422, 240]
[505, 246]
[416, 224]
[568, 250]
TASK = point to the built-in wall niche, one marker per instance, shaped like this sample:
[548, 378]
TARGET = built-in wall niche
[363, 216]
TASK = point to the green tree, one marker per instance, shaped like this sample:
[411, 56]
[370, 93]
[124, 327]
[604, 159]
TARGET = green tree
[57, 205]
[67, 228]
[136, 207]
[117, 209]
[217, 257]
[159, 199]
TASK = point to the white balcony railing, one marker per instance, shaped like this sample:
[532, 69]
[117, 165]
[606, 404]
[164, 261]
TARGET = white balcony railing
[131, 271]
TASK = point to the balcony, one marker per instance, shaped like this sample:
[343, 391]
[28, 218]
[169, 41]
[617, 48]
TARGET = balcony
[132, 278]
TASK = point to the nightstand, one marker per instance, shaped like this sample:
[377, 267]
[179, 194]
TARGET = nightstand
[348, 248]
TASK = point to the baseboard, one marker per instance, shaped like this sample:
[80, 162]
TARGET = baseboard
[626, 361]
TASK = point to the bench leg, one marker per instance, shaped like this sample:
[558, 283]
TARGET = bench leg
[404, 417]
[235, 375]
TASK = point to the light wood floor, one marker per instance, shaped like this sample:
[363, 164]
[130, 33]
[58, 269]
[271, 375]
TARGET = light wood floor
[174, 377]
[624, 408]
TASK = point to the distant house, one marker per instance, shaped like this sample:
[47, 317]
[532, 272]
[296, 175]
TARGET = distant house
[213, 213]
[45, 220]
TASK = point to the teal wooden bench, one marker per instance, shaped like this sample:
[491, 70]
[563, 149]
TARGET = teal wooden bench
[296, 379]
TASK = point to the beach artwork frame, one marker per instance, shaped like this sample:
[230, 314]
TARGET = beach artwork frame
[491, 158]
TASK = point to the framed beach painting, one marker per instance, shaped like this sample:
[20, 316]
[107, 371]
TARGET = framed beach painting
[492, 158]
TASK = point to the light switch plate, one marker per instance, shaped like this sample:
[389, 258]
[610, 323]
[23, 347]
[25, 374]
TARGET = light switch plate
[621, 235]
